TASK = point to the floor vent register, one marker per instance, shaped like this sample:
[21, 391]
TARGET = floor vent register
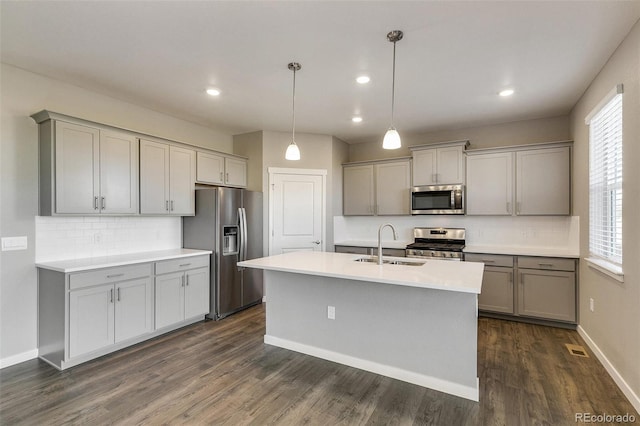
[577, 350]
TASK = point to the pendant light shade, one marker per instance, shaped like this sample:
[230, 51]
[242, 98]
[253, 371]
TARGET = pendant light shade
[293, 152]
[392, 137]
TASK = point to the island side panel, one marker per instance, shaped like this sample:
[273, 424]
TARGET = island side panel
[423, 336]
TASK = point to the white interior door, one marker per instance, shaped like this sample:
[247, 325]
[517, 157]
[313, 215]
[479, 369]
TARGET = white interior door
[297, 211]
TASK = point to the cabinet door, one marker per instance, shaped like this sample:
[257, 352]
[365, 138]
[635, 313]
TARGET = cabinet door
[182, 165]
[393, 188]
[547, 294]
[196, 293]
[133, 308]
[154, 177]
[543, 182]
[77, 150]
[424, 167]
[490, 184]
[353, 249]
[497, 290]
[169, 290]
[91, 313]
[209, 168]
[358, 190]
[235, 172]
[450, 165]
[118, 173]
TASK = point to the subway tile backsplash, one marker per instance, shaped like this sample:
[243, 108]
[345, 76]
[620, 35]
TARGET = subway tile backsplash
[60, 238]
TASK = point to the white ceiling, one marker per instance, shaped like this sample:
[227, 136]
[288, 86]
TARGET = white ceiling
[454, 58]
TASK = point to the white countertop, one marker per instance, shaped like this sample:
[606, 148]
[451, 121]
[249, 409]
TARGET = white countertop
[395, 244]
[434, 274]
[522, 251]
[88, 263]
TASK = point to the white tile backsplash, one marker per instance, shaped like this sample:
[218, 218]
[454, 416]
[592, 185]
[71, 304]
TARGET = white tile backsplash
[60, 238]
[548, 232]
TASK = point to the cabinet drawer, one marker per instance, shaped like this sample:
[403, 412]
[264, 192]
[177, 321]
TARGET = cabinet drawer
[547, 263]
[109, 275]
[181, 264]
[490, 259]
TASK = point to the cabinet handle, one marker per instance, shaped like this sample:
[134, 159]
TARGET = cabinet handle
[171, 205]
[103, 205]
[118, 294]
[521, 279]
[488, 261]
[182, 279]
[186, 280]
[111, 291]
[511, 278]
[221, 178]
[114, 275]
[95, 203]
[547, 265]
[227, 177]
[166, 205]
[185, 264]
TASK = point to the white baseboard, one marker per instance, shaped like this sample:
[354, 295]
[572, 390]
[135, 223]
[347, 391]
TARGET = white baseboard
[17, 359]
[615, 375]
[468, 392]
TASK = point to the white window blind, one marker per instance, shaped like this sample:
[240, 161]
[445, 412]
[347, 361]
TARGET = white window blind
[605, 181]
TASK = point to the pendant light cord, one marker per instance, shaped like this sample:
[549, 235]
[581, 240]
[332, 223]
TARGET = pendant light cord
[293, 135]
[393, 83]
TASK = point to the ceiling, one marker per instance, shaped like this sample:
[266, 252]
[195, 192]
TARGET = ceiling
[454, 58]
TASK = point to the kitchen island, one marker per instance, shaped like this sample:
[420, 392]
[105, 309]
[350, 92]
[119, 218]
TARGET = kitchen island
[415, 322]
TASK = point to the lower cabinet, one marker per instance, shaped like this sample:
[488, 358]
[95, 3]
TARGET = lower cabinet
[372, 251]
[84, 315]
[182, 291]
[528, 287]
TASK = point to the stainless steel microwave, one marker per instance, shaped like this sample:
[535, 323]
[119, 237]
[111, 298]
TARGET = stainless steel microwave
[437, 199]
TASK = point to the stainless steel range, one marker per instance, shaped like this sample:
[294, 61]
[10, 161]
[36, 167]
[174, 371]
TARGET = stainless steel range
[440, 243]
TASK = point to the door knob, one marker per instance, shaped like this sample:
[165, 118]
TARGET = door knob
[316, 242]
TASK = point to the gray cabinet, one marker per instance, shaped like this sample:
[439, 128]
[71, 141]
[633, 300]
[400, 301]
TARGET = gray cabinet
[541, 288]
[182, 290]
[531, 180]
[379, 188]
[218, 169]
[86, 170]
[373, 251]
[439, 164]
[167, 179]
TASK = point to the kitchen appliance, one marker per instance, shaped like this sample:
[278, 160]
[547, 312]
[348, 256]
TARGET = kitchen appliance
[438, 243]
[437, 199]
[228, 221]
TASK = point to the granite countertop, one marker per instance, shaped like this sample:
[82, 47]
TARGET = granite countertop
[88, 263]
[445, 275]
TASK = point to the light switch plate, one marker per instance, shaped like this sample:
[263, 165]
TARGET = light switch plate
[331, 312]
[14, 243]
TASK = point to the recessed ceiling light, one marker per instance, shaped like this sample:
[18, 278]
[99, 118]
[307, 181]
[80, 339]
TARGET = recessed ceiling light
[357, 119]
[506, 92]
[213, 92]
[363, 79]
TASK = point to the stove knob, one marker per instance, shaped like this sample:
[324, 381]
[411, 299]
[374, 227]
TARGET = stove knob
[433, 254]
[420, 252]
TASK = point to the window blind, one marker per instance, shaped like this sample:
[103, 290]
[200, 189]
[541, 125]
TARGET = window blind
[605, 182]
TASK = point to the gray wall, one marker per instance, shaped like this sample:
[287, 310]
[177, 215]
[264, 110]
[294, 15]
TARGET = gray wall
[24, 93]
[514, 133]
[614, 326]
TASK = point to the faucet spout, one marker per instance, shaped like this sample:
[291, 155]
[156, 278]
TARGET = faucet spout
[395, 237]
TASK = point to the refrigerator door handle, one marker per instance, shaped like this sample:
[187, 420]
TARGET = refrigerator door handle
[245, 241]
[240, 235]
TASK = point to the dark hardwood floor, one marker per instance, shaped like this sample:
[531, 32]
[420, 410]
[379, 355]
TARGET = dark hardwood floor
[222, 373]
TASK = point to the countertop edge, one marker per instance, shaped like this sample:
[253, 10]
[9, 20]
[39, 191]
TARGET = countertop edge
[88, 264]
[521, 251]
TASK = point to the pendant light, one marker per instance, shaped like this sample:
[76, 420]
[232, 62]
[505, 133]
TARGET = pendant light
[392, 138]
[293, 152]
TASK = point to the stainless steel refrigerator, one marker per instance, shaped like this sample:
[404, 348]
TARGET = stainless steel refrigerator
[228, 221]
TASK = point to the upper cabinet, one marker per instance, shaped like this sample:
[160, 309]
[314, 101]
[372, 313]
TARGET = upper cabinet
[218, 169]
[439, 164]
[87, 170]
[377, 188]
[527, 180]
[167, 179]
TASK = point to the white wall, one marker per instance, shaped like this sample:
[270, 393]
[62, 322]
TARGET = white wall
[24, 93]
[614, 326]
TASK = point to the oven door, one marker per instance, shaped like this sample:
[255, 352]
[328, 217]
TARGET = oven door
[443, 199]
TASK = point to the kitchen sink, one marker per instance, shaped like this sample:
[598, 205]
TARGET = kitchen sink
[374, 259]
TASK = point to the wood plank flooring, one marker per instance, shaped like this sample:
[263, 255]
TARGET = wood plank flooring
[221, 373]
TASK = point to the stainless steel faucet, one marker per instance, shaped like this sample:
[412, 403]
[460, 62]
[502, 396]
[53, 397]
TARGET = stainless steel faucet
[395, 237]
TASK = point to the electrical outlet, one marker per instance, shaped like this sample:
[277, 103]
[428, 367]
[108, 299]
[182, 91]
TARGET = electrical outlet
[591, 304]
[331, 312]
